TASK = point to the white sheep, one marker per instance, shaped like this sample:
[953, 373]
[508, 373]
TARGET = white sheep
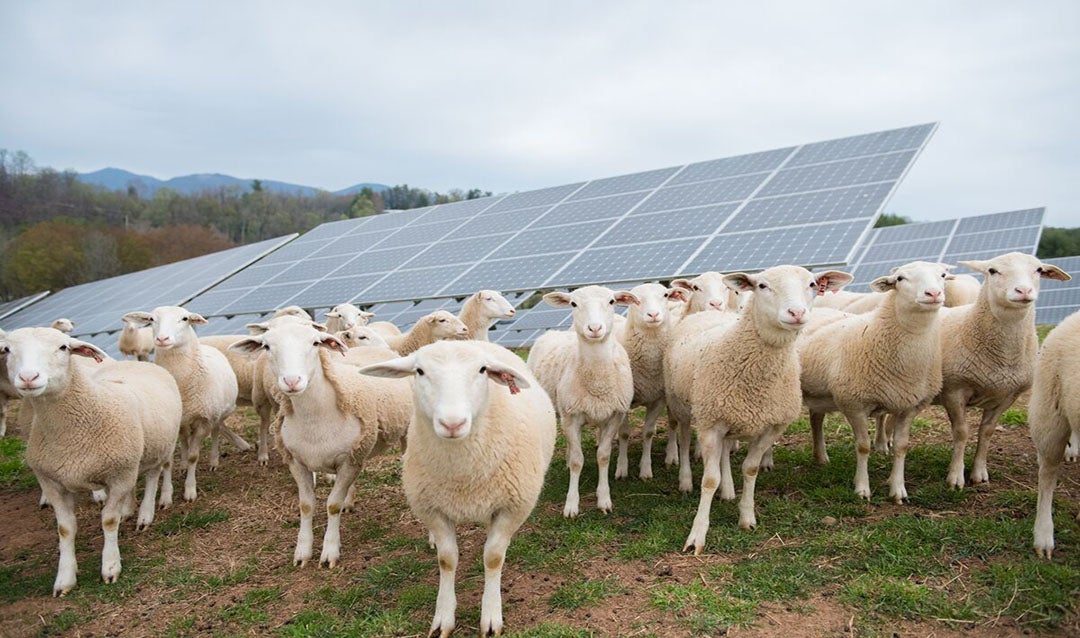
[93, 428]
[480, 442]
[1054, 416]
[744, 380]
[888, 360]
[482, 309]
[385, 328]
[645, 337]
[587, 375]
[7, 391]
[961, 290]
[988, 351]
[345, 317]
[207, 384]
[64, 325]
[362, 337]
[429, 329]
[136, 341]
[331, 419]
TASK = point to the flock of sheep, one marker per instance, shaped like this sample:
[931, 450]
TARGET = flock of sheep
[733, 357]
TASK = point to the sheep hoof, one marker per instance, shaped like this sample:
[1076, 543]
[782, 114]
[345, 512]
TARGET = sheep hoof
[329, 564]
[348, 508]
[822, 460]
[645, 476]
[61, 592]
[1044, 552]
[693, 546]
[570, 511]
[142, 526]
[621, 473]
[264, 462]
[299, 562]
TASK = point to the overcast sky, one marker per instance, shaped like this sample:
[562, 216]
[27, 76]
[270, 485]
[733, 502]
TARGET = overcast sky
[510, 96]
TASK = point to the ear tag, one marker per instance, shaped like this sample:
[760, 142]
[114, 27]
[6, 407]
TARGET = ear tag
[509, 380]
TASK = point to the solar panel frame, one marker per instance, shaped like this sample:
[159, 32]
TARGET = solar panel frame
[15, 305]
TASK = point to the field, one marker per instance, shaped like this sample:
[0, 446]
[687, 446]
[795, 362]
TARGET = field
[820, 563]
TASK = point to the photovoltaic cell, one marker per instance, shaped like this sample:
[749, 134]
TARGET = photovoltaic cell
[590, 209]
[546, 240]
[625, 183]
[342, 289]
[762, 162]
[15, 305]
[809, 208]
[690, 222]
[658, 259]
[457, 251]
[717, 191]
[879, 168]
[508, 274]
[529, 199]
[500, 223]
[861, 145]
[1059, 299]
[808, 245]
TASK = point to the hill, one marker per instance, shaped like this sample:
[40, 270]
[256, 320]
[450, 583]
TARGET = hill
[146, 186]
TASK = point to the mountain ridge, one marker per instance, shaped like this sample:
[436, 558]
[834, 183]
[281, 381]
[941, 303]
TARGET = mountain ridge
[112, 178]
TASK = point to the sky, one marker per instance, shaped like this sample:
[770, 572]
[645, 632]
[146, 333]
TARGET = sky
[512, 96]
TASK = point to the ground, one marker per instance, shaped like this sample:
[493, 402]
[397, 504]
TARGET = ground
[821, 563]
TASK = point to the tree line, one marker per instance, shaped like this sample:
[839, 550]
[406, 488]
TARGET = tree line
[56, 231]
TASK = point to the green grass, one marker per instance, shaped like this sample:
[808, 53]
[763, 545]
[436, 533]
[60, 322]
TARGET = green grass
[64, 620]
[1013, 417]
[252, 609]
[703, 609]
[584, 593]
[14, 472]
[181, 522]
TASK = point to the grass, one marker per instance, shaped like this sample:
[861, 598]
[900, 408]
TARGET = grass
[14, 472]
[585, 593]
[181, 522]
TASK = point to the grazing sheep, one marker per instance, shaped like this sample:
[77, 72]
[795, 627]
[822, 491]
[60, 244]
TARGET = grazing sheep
[477, 453]
[207, 384]
[64, 325]
[744, 382]
[482, 309]
[988, 351]
[888, 360]
[345, 317]
[587, 375]
[331, 419]
[429, 329]
[93, 428]
[136, 341]
[1054, 416]
[645, 338]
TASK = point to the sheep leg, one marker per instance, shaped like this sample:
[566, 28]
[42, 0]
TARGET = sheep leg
[727, 483]
[817, 426]
[606, 437]
[901, 433]
[500, 532]
[350, 499]
[215, 447]
[750, 466]
[767, 460]
[111, 515]
[1072, 451]
[860, 426]
[883, 434]
[710, 441]
[647, 434]
[237, 441]
[1050, 449]
[165, 500]
[331, 549]
[63, 504]
[954, 403]
[3, 415]
[686, 473]
[305, 488]
[671, 452]
[194, 440]
[442, 625]
[575, 460]
[264, 434]
[622, 463]
[990, 417]
[150, 487]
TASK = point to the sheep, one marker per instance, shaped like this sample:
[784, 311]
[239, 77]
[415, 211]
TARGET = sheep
[1054, 416]
[207, 384]
[136, 341]
[744, 380]
[362, 337]
[888, 360]
[292, 311]
[7, 391]
[430, 328]
[961, 290]
[93, 427]
[331, 419]
[385, 328]
[482, 309]
[587, 375]
[988, 353]
[345, 317]
[477, 452]
[645, 337]
[64, 325]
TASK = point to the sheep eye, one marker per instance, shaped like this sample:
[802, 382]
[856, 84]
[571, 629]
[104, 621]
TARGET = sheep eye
[992, 271]
[63, 348]
[362, 337]
[813, 284]
[483, 369]
[762, 286]
[1039, 270]
[420, 371]
[573, 304]
[185, 319]
[697, 289]
[899, 277]
[943, 275]
[612, 302]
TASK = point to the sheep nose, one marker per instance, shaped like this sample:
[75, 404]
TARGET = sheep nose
[293, 382]
[595, 329]
[452, 426]
[653, 315]
[797, 314]
[161, 340]
[512, 312]
[1024, 292]
[717, 304]
[27, 377]
[935, 295]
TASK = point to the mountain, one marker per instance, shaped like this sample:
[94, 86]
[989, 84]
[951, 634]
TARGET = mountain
[146, 186]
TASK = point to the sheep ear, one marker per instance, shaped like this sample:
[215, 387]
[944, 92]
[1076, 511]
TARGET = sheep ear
[392, 369]
[89, 350]
[248, 345]
[506, 376]
[832, 280]
[976, 265]
[677, 294]
[682, 283]
[626, 298]
[258, 328]
[139, 318]
[883, 284]
[329, 341]
[196, 318]
[333, 315]
[364, 314]
[318, 326]
[1050, 271]
[558, 299]
[739, 281]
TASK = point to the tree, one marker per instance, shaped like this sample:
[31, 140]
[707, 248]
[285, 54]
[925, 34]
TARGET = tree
[891, 219]
[1059, 242]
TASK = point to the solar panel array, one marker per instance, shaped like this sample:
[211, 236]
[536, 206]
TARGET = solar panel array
[96, 307]
[1059, 299]
[806, 204]
[15, 305]
[977, 237]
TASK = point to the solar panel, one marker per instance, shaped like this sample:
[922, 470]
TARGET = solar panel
[806, 204]
[97, 306]
[976, 237]
[15, 305]
[1059, 299]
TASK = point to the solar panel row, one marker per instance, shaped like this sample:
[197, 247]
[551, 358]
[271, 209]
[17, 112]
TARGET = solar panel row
[15, 305]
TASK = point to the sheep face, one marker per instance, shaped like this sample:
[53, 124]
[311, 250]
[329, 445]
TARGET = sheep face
[919, 284]
[293, 353]
[446, 326]
[292, 311]
[653, 310]
[172, 325]
[450, 388]
[707, 291]
[64, 325]
[494, 305]
[38, 359]
[362, 337]
[784, 295]
[262, 326]
[593, 308]
[350, 316]
[1012, 280]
